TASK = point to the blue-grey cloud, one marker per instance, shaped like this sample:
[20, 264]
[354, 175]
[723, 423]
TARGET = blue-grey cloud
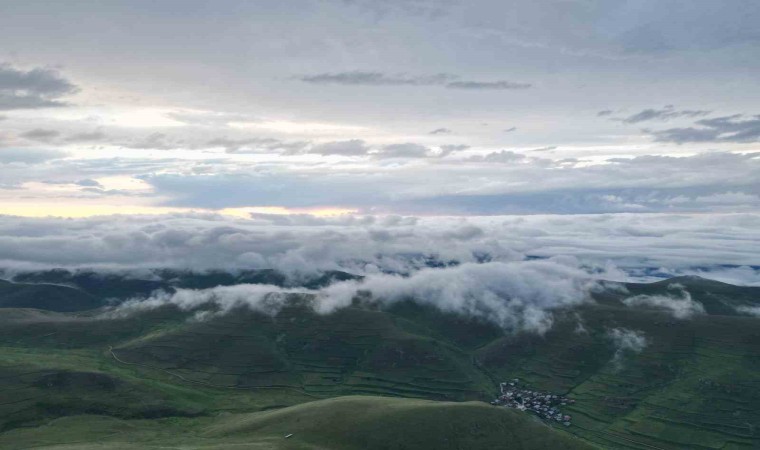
[494, 183]
[737, 128]
[362, 78]
[404, 150]
[664, 114]
[35, 88]
[487, 85]
[41, 134]
[352, 147]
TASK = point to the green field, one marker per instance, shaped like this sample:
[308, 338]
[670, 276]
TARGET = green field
[161, 378]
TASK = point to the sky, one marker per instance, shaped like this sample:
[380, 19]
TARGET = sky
[413, 107]
[621, 137]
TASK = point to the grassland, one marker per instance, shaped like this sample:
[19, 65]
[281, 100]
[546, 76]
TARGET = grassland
[345, 423]
[157, 375]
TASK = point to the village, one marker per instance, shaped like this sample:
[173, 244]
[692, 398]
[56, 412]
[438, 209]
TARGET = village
[544, 404]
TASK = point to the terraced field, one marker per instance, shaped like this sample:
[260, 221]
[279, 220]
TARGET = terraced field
[694, 384]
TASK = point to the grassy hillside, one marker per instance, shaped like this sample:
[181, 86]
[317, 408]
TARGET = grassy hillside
[694, 384]
[49, 297]
[345, 423]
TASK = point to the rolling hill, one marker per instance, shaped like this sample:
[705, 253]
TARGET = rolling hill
[690, 382]
[345, 423]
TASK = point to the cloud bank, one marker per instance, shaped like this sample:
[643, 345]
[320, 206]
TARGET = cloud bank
[518, 296]
[260, 298]
[642, 246]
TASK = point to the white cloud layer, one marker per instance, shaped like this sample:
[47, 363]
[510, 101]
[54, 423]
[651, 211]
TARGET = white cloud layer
[623, 246]
[518, 296]
[261, 298]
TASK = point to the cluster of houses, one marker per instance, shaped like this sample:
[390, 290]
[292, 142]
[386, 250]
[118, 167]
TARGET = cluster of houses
[544, 404]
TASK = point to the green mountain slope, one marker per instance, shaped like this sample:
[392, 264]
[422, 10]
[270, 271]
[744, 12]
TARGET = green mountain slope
[691, 383]
[49, 297]
[345, 423]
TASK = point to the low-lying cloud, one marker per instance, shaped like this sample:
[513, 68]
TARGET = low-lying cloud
[518, 296]
[626, 342]
[680, 304]
[640, 245]
[749, 310]
[260, 298]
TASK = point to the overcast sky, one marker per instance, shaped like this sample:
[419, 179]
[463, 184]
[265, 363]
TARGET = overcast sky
[419, 107]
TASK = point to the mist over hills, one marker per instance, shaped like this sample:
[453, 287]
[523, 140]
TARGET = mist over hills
[635, 247]
[669, 364]
[228, 331]
[380, 225]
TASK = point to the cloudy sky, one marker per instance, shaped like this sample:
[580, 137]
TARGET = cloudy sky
[412, 107]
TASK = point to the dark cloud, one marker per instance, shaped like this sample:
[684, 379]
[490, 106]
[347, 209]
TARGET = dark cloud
[41, 134]
[502, 157]
[352, 147]
[93, 136]
[737, 129]
[487, 85]
[360, 78]
[440, 131]
[154, 141]
[404, 150]
[376, 79]
[545, 149]
[510, 129]
[88, 182]
[452, 148]
[256, 145]
[36, 88]
[662, 115]
[604, 113]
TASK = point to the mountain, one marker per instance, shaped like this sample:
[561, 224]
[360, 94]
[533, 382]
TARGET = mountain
[49, 297]
[641, 377]
[120, 286]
